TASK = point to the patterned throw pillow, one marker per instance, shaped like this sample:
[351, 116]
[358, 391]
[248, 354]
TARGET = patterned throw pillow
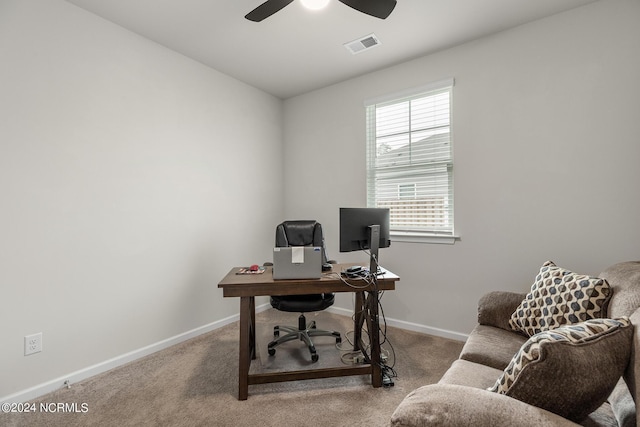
[570, 370]
[559, 297]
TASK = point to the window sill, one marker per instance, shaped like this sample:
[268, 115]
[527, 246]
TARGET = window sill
[409, 237]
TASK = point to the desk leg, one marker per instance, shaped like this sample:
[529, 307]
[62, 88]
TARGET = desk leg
[252, 329]
[366, 309]
[359, 312]
[247, 344]
[374, 328]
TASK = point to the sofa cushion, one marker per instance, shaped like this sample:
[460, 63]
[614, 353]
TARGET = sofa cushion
[624, 280]
[558, 297]
[491, 346]
[495, 308]
[632, 373]
[570, 370]
[470, 374]
[602, 417]
[452, 405]
[622, 405]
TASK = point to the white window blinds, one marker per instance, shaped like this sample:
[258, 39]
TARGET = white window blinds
[409, 159]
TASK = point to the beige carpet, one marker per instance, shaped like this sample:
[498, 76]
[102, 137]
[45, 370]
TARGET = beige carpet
[195, 383]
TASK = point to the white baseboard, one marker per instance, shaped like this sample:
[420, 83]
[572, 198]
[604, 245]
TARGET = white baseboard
[429, 330]
[82, 374]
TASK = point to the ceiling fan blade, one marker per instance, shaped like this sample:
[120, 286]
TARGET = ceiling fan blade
[378, 8]
[266, 9]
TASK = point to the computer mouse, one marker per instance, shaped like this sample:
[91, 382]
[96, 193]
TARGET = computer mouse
[254, 267]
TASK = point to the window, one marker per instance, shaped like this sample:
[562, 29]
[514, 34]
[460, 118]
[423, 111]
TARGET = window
[410, 162]
[407, 191]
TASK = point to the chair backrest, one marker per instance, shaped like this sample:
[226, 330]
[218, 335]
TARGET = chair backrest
[301, 233]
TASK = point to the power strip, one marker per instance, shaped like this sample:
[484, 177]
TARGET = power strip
[359, 359]
[387, 381]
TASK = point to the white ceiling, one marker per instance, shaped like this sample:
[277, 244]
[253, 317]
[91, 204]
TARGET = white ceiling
[297, 50]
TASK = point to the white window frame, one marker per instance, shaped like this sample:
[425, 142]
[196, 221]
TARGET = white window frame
[438, 164]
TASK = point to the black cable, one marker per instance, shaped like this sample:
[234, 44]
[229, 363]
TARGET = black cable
[388, 372]
[371, 281]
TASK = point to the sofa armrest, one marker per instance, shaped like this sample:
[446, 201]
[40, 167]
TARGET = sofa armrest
[495, 308]
[448, 405]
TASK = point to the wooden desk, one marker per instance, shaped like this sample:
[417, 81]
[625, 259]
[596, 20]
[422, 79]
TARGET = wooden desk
[248, 286]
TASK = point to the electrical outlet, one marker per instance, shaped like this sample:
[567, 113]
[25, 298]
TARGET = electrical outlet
[33, 344]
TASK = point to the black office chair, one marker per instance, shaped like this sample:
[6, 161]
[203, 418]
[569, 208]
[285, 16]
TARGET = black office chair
[302, 233]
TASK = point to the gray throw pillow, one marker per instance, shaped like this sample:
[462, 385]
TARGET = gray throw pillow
[570, 370]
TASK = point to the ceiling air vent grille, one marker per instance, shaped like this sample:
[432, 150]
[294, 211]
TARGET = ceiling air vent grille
[362, 44]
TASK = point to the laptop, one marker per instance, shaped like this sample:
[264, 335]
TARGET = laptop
[297, 262]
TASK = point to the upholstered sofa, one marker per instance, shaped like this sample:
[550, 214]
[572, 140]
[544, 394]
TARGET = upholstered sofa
[590, 382]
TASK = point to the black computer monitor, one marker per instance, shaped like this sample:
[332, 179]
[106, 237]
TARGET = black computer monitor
[364, 228]
[354, 228]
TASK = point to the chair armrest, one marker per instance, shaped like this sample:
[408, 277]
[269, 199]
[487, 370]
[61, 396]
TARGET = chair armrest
[448, 405]
[495, 308]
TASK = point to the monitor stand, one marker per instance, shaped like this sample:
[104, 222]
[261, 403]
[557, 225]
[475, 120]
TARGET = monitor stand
[374, 245]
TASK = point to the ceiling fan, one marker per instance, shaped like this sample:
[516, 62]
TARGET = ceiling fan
[378, 8]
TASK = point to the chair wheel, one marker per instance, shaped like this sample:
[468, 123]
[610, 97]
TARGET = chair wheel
[276, 333]
[272, 351]
[338, 340]
[314, 357]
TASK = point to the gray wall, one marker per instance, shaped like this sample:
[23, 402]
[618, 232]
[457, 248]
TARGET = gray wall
[130, 178]
[546, 141]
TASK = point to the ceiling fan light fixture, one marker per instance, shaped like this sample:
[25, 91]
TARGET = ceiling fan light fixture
[378, 8]
[315, 4]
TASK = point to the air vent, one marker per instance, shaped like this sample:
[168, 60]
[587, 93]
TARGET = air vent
[362, 44]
